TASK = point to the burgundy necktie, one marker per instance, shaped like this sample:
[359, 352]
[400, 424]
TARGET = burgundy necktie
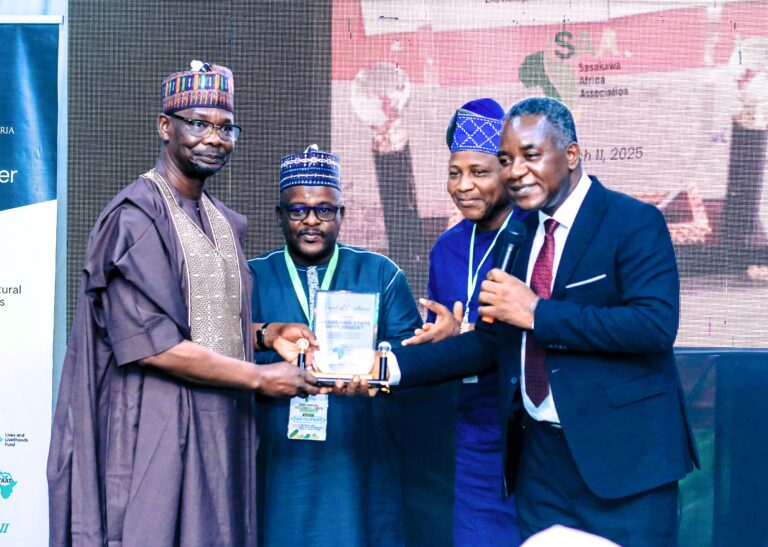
[536, 384]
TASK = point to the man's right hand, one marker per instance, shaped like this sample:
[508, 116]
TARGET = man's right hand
[285, 380]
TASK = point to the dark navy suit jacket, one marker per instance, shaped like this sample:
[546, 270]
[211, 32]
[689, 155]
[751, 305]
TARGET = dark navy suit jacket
[609, 330]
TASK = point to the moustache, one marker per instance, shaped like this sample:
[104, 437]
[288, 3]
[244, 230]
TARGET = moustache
[310, 233]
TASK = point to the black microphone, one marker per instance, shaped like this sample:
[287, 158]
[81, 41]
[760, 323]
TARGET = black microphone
[383, 349]
[513, 238]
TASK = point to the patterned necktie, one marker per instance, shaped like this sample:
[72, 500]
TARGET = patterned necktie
[536, 383]
[313, 285]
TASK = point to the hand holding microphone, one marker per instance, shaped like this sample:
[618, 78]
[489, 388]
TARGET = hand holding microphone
[503, 296]
[512, 238]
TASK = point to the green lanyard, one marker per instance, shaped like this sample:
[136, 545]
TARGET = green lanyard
[472, 278]
[297, 287]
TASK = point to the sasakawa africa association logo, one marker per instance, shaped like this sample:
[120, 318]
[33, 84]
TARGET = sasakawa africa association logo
[6, 485]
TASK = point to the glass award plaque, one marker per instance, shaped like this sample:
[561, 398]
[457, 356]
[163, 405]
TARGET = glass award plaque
[346, 326]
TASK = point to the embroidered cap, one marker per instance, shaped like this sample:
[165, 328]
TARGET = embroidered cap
[310, 168]
[204, 86]
[476, 126]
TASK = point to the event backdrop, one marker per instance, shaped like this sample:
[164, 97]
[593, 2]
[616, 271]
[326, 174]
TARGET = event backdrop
[671, 106]
[669, 99]
[28, 128]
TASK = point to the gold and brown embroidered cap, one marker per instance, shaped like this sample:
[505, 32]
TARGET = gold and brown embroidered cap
[206, 85]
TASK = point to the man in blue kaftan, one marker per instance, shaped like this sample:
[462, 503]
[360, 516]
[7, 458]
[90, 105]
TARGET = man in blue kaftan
[346, 489]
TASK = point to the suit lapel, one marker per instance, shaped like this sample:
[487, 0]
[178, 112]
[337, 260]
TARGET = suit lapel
[587, 221]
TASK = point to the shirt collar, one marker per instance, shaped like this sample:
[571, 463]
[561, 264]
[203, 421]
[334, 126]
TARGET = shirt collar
[566, 213]
[320, 267]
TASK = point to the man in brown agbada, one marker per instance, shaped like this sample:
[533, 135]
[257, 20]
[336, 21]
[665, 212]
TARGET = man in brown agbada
[154, 439]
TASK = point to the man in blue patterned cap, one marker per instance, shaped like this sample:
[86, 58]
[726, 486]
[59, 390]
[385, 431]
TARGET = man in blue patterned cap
[154, 434]
[344, 489]
[458, 263]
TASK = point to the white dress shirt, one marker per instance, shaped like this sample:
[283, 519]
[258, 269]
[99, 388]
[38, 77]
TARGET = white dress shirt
[565, 216]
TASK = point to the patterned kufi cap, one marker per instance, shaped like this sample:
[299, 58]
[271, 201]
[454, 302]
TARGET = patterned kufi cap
[310, 168]
[205, 86]
[476, 126]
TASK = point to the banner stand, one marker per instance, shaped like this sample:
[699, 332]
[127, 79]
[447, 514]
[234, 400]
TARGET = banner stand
[29, 131]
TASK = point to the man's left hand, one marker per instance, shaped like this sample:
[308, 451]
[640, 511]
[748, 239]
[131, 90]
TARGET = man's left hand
[359, 387]
[356, 387]
[506, 298]
[447, 323]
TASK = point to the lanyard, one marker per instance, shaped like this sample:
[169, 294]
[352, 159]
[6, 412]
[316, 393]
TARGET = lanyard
[472, 278]
[300, 294]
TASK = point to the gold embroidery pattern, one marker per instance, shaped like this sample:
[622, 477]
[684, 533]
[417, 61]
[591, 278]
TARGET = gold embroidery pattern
[213, 274]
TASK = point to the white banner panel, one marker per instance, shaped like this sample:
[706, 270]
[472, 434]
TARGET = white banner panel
[26, 338]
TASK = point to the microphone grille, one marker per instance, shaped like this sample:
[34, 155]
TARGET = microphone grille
[516, 232]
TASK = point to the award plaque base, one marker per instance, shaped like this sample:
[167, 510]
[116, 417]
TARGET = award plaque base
[329, 380]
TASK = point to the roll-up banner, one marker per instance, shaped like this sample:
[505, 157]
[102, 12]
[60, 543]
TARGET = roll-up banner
[28, 132]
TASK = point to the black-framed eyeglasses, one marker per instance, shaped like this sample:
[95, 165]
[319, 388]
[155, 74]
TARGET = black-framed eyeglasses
[322, 212]
[203, 128]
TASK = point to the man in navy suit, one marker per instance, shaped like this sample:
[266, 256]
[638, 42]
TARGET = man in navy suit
[592, 407]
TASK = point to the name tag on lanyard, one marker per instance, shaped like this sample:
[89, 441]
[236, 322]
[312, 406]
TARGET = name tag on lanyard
[472, 275]
[465, 327]
[308, 418]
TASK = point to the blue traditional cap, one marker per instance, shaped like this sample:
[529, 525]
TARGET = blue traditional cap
[204, 86]
[310, 168]
[476, 126]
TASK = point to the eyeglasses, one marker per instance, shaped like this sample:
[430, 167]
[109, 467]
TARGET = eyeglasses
[201, 128]
[300, 212]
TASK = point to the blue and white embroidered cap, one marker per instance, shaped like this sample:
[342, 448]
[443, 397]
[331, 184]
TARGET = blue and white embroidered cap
[476, 126]
[310, 168]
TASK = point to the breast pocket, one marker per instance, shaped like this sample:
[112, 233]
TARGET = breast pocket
[589, 289]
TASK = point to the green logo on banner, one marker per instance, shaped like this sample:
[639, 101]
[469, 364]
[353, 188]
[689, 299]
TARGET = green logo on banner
[6, 485]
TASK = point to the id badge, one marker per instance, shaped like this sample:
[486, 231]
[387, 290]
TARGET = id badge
[308, 418]
[466, 326]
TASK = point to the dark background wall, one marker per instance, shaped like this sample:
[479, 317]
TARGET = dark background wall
[119, 53]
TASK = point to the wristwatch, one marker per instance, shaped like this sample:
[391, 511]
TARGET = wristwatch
[260, 336]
